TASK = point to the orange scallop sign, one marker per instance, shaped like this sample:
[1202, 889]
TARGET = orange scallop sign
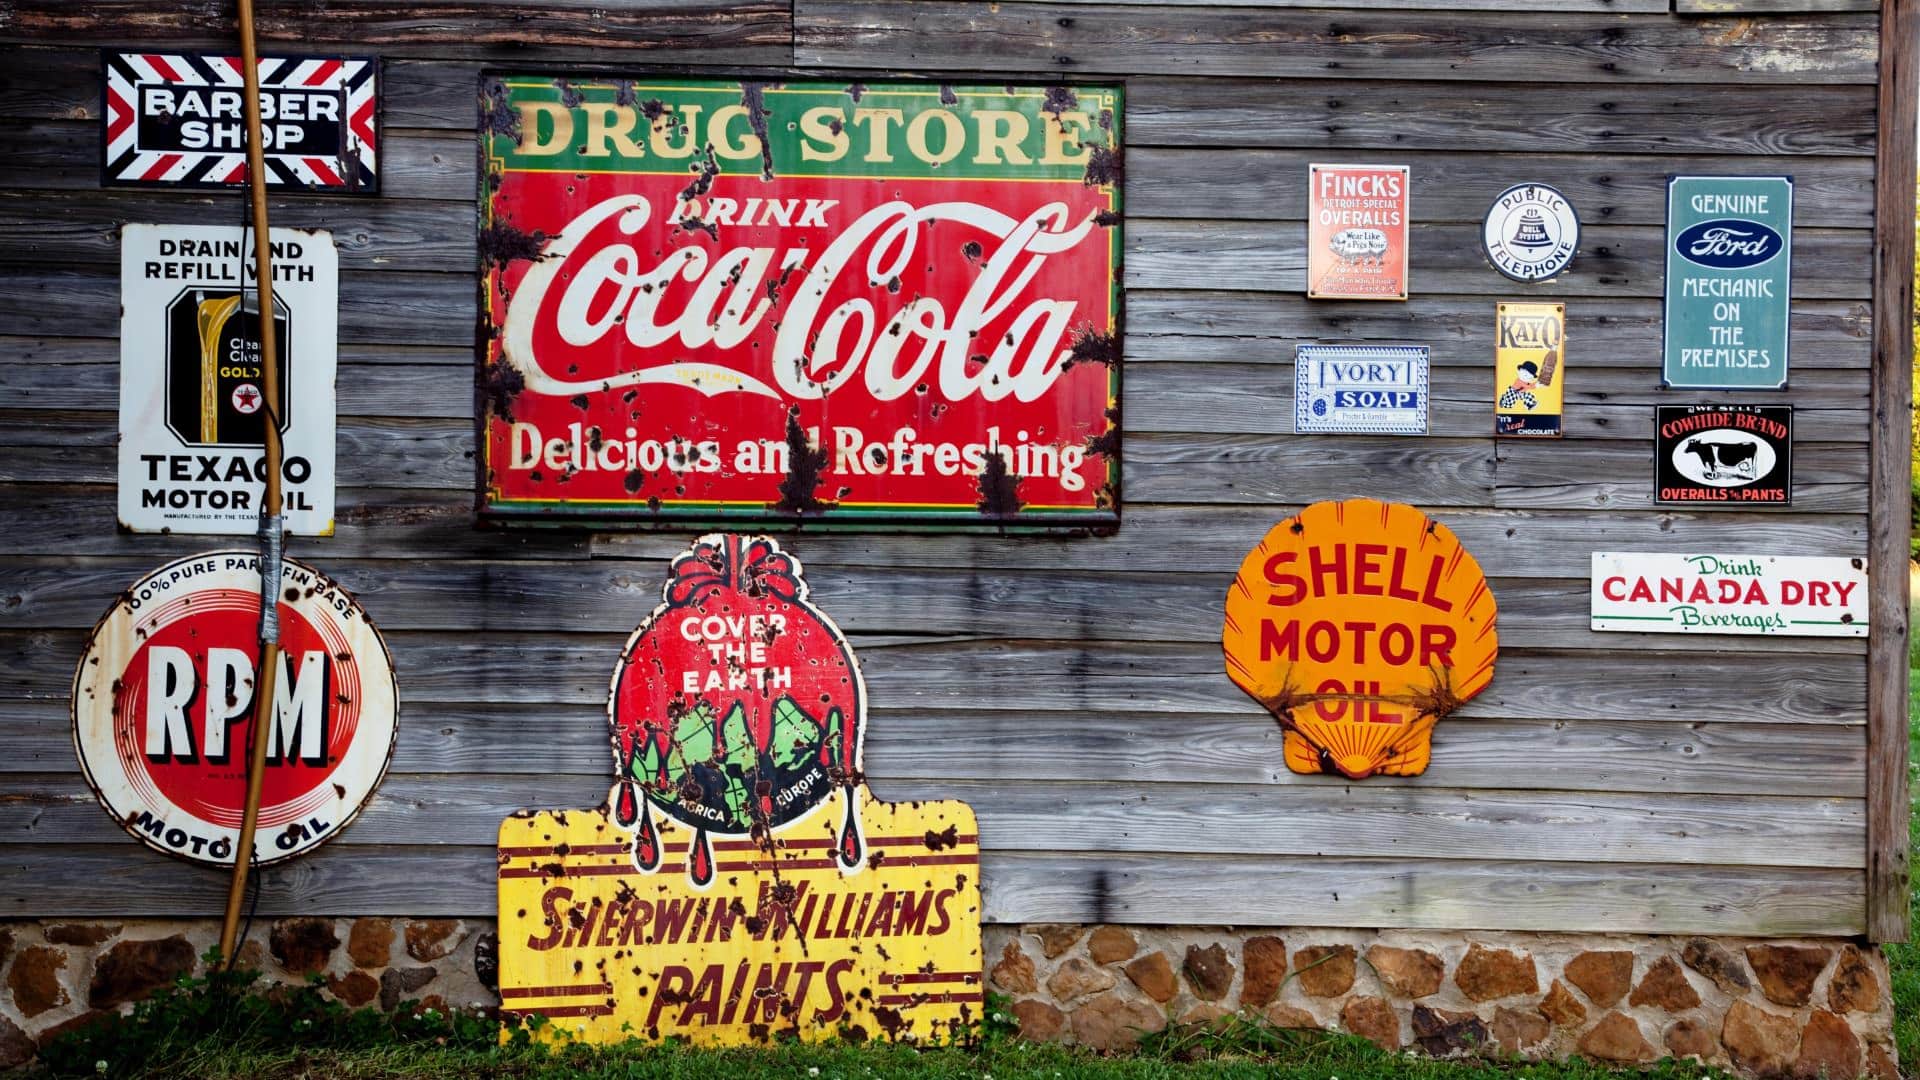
[1360, 624]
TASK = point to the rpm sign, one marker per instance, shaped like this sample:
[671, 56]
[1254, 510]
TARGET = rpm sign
[163, 709]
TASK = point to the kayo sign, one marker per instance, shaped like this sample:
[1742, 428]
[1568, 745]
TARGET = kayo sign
[163, 709]
[741, 881]
[176, 119]
[716, 300]
[193, 407]
[1359, 625]
[1806, 596]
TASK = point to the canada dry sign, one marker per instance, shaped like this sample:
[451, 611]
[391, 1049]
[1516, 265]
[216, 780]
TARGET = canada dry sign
[1359, 625]
[163, 707]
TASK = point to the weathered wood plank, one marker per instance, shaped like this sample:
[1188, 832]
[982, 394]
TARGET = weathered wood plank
[370, 523]
[1242, 327]
[748, 32]
[1512, 543]
[1613, 680]
[1888, 840]
[1830, 264]
[1618, 6]
[1366, 116]
[1069, 606]
[41, 879]
[370, 234]
[1169, 182]
[1619, 476]
[922, 746]
[1356, 820]
[1571, 46]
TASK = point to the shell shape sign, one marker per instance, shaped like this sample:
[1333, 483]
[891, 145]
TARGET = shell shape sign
[741, 883]
[1359, 625]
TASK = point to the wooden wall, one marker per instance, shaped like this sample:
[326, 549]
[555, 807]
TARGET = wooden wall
[1071, 690]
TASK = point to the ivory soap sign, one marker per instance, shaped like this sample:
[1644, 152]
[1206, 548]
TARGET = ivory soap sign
[1729, 279]
[1360, 389]
[193, 406]
[1359, 625]
[707, 300]
[1357, 220]
[1792, 595]
[741, 882]
[163, 709]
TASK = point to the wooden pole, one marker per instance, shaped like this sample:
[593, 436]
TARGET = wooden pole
[1889, 495]
[270, 504]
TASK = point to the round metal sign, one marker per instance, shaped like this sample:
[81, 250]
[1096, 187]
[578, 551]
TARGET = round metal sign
[163, 709]
[1531, 232]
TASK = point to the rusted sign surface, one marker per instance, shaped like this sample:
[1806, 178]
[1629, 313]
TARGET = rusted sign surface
[1357, 220]
[713, 300]
[163, 707]
[1359, 625]
[741, 881]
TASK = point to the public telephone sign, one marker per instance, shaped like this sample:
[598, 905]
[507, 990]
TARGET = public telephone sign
[1729, 280]
[710, 300]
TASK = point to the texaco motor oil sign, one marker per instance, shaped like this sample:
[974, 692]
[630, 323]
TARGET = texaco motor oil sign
[193, 407]
[163, 709]
[811, 300]
[741, 882]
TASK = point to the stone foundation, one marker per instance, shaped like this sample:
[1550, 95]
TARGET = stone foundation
[1800, 1008]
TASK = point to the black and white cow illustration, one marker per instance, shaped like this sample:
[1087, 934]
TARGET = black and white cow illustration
[1722, 459]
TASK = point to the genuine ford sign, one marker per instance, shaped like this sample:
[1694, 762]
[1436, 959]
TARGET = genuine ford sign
[1728, 244]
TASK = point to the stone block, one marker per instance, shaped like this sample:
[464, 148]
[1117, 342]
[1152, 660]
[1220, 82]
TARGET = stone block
[1444, 1032]
[1491, 974]
[1665, 986]
[1153, 973]
[1209, 971]
[370, 943]
[1617, 1038]
[1264, 960]
[1759, 1041]
[1407, 973]
[1690, 1038]
[1829, 1050]
[1562, 1007]
[1855, 986]
[1077, 978]
[1374, 1020]
[1786, 973]
[1324, 970]
[303, 946]
[131, 970]
[1014, 973]
[1111, 1022]
[35, 980]
[1056, 938]
[1604, 976]
[431, 939]
[1111, 944]
[1716, 962]
[1038, 1020]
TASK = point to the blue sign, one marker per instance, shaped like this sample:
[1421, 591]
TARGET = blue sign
[1360, 389]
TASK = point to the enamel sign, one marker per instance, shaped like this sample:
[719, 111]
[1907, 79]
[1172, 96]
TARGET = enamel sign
[891, 303]
[1530, 233]
[175, 119]
[1360, 389]
[193, 408]
[1357, 222]
[163, 709]
[1729, 280]
[1359, 625]
[1789, 595]
[1723, 455]
[1529, 369]
[741, 883]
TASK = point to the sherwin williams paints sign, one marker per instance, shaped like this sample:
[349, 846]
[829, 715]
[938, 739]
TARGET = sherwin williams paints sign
[883, 303]
[1359, 625]
[1795, 595]
[1729, 273]
[741, 883]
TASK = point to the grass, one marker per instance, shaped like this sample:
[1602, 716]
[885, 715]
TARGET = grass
[1903, 961]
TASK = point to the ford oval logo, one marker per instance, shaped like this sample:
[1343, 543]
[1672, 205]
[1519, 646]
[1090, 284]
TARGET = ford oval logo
[1728, 244]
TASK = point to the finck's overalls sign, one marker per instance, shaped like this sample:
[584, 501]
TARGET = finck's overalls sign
[813, 300]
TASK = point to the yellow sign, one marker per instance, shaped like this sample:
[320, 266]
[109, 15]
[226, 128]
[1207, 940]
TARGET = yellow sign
[741, 882]
[1359, 624]
[1529, 368]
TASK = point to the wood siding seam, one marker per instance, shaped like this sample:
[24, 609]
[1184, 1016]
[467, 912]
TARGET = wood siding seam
[1891, 476]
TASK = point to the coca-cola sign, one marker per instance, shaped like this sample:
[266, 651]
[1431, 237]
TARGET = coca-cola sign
[805, 301]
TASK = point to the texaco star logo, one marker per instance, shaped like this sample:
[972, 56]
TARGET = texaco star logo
[246, 399]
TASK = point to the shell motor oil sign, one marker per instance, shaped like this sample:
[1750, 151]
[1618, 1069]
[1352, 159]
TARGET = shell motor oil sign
[741, 882]
[1360, 624]
[163, 709]
[711, 300]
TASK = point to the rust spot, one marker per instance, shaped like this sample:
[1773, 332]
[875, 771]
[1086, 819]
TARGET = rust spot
[623, 94]
[500, 385]
[999, 489]
[752, 95]
[1093, 348]
[1106, 219]
[653, 109]
[496, 116]
[1060, 99]
[941, 841]
[855, 91]
[569, 96]
[947, 96]
[1107, 442]
[971, 249]
[804, 467]
[501, 243]
[1104, 166]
